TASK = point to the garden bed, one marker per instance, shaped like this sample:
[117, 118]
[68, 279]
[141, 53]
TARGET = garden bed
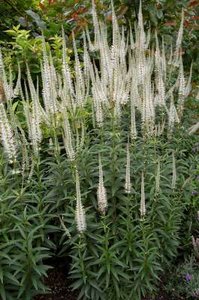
[59, 286]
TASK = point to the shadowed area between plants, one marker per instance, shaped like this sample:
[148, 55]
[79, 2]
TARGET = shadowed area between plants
[58, 281]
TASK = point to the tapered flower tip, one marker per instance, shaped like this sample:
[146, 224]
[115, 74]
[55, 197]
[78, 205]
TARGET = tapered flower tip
[101, 191]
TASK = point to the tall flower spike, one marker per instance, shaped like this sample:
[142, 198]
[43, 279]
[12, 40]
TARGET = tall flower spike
[86, 59]
[7, 135]
[142, 203]
[67, 138]
[180, 32]
[132, 43]
[18, 83]
[159, 76]
[115, 28]
[33, 114]
[179, 41]
[101, 191]
[174, 175]
[96, 26]
[32, 125]
[172, 115]
[128, 171]
[49, 81]
[79, 79]
[182, 89]
[8, 88]
[66, 74]
[79, 213]
[141, 28]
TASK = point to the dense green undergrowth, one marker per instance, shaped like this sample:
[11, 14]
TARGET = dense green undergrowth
[121, 255]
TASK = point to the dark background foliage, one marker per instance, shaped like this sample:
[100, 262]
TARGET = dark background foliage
[50, 15]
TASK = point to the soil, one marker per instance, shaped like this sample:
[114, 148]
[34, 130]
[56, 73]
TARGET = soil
[58, 283]
[59, 286]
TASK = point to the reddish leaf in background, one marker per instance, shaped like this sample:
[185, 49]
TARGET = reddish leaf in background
[170, 23]
[195, 17]
[81, 10]
[186, 23]
[109, 17]
[81, 24]
[193, 3]
[74, 16]
[51, 1]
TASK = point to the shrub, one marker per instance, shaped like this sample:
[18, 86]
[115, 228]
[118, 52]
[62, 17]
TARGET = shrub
[104, 164]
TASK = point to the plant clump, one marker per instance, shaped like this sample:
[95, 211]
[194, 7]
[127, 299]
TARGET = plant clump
[96, 164]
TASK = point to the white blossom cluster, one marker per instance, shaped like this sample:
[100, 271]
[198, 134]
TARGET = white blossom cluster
[79, 213]
[10, 90]
[127, 185]
[7, 135]
[101, 191]
[142, 202]
[130, 73]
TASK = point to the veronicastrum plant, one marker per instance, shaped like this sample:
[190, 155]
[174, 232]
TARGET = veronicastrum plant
[99, 148]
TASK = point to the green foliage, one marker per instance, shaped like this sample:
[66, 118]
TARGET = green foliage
[22, 238]
[121, 256]
[24, 50]
[11, 11]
